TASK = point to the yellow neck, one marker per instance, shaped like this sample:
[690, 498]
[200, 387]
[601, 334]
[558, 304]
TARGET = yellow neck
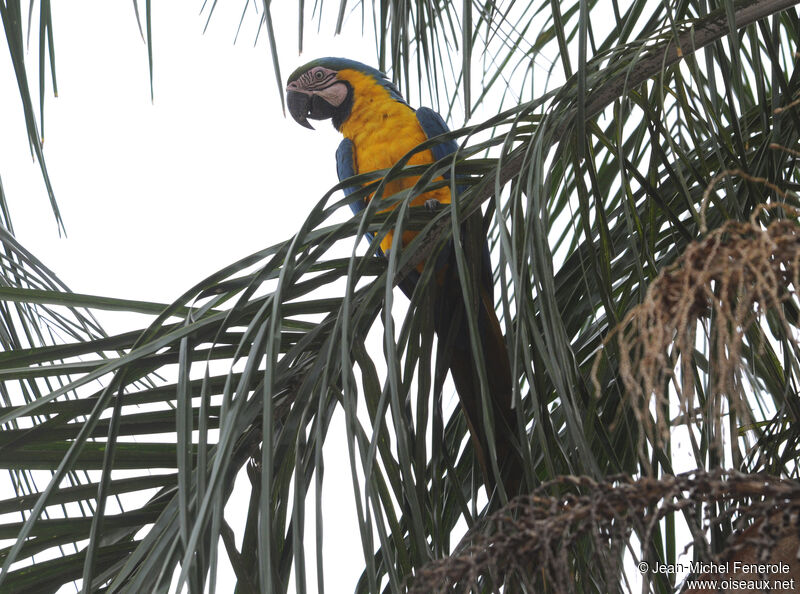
[373, 107]
[383, 130]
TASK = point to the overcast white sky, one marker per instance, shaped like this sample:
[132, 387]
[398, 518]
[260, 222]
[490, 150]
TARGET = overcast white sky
[207, 173]
[156, 196]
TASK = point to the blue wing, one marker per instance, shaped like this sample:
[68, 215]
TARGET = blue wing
[433, 125]
[346, 167]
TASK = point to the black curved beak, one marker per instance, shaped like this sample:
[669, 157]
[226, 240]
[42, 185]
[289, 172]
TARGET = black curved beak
[299, 104]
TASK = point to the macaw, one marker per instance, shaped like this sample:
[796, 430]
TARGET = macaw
[379, 128]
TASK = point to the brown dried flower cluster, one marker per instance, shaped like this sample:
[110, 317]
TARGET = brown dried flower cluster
[534, 541]
[717, 290]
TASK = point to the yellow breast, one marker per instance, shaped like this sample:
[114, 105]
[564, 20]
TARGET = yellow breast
[383, 131]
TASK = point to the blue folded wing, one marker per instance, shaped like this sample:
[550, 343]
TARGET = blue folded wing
[433, 125]
[346, 167]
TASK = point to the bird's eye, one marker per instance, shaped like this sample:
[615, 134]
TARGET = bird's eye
[318, 75]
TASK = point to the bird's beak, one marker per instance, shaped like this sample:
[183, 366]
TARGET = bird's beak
[299, 104]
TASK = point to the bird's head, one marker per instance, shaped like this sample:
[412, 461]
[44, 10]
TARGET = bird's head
[324, 89]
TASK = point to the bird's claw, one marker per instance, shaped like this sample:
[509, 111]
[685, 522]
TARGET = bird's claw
[433, 204]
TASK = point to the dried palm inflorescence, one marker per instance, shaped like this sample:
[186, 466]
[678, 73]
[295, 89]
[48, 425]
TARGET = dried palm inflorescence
[737, 274]
[535, 540]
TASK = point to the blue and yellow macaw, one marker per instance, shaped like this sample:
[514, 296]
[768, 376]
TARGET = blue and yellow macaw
[380, 128]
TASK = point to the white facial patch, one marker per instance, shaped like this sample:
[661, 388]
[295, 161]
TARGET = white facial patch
[334, 94]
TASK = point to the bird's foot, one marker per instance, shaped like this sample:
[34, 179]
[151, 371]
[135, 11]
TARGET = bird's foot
[433, 204]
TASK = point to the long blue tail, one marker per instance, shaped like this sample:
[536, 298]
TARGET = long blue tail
[453, 333]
